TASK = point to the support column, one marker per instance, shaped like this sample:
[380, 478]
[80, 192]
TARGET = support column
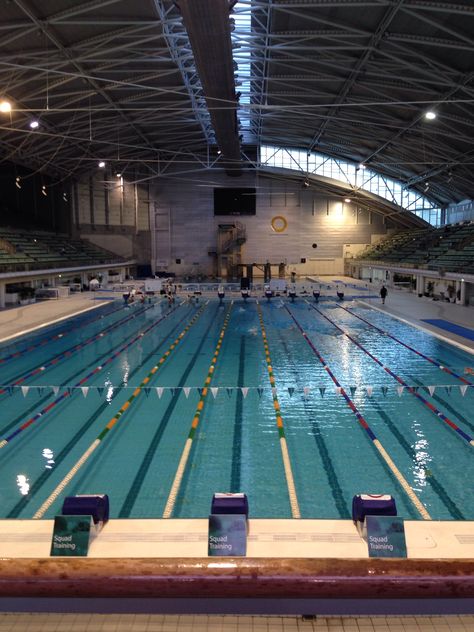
[267, 273]
[2, 294]
[463, 292]
[420, 284]
[457, 289]
[249, 269]
[105, 278]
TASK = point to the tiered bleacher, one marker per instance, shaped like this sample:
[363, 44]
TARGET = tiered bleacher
[450, 248]
[37, 250]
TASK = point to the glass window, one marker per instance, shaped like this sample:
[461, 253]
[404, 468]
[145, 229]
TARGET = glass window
[346, 172]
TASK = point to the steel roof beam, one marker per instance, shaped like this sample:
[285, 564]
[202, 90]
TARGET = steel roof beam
[45, 29]
[207, 23]
[260, 97]
[375, 39]
[188, 72]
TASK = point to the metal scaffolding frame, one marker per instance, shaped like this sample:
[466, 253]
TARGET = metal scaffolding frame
[350, 79]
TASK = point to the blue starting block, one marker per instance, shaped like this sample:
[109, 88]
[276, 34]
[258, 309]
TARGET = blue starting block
[372, 505]
[230, 504]
[95, 505]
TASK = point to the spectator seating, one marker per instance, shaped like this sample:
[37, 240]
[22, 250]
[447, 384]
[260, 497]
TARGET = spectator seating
[450, 248]
[34, 250]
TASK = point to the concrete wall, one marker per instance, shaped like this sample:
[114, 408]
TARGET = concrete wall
[171, 224]
[114, 214]
[332, 225]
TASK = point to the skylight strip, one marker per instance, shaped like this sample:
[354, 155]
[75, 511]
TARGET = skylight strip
[365, 179]
[241, 40]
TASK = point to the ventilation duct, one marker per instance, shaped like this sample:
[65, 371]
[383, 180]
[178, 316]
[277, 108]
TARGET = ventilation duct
[208, 26]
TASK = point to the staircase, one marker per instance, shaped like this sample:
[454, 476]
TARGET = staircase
[230, 239]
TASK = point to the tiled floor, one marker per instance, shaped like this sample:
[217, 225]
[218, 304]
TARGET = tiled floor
[12, 622]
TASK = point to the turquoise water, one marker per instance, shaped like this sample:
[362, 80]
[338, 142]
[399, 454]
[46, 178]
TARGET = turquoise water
[80, 373]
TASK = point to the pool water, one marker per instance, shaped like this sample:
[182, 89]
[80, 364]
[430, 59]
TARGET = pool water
[205, 419]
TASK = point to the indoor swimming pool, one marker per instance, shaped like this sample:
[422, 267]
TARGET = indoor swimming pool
[299, 405]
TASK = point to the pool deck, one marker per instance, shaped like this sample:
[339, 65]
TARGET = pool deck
[408, 307]
[305, 559]
[414, 310]
[17, 321]
[267, 538]
[322, 561]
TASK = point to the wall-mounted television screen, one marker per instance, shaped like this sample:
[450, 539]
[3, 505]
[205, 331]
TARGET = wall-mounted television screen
[234, 201]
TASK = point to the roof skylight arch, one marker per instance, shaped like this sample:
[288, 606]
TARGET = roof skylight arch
[351, 174]
[241, 36]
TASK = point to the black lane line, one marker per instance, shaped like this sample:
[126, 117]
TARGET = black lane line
[64, 453]
[435, 484]
[333, 481]
[457, 415]
[235, 480]
[54, 360]
[147, 460]
[444, 497]
[26, 413]
[82, 369]
[40, 339]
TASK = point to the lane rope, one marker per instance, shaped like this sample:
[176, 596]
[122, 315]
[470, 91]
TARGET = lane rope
[290, 482]
[68, 392]
[386, 457]
[58, 336]
[410, 389]
[69, 352]
[97, 442]
[175, 487]
[400, 342]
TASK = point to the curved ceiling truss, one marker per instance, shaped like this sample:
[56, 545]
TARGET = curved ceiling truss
[118, 81]
[355, 181]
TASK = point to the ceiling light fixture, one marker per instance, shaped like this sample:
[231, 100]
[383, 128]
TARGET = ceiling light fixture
[34, 124]
[5, 106]
[362, 166]
[430, 115]
[347, 200]
[18, 182]
[43, 190]
[101, 164]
